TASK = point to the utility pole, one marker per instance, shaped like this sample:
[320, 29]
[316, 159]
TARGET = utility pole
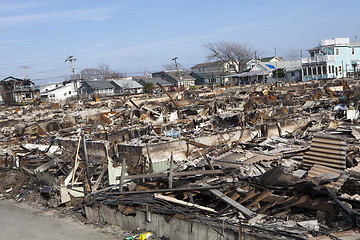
[276, 71]
[71, 60]
[25, 67]
[177, 69]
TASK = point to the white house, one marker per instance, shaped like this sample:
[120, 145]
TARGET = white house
[59, 91]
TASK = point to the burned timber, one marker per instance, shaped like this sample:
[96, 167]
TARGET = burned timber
[273, 161]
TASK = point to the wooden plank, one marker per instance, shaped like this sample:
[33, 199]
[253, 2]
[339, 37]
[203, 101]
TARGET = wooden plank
[122, 177]
[97, 183]
[187, 204]
[176, 174]
[45, 166]
[186, 189]
[248, 196]
[197, 144]
[266, 207]
[261, 196]
[76, 162]
[298, 201]
[171, 98]
[246, 212]
[171, 172]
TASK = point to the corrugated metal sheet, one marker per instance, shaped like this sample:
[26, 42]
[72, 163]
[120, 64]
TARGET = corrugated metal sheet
[318, 170]
[326, 150]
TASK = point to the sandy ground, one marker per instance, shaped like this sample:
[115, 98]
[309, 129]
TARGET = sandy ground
[22, 221]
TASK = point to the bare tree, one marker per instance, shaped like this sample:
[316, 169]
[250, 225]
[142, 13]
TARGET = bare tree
[102, 72]
[236, 53]
[107, 73]
[172, 66]
[293, 54]
[90, 74]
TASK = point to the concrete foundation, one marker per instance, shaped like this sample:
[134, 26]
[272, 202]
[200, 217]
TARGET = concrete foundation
[160, 225]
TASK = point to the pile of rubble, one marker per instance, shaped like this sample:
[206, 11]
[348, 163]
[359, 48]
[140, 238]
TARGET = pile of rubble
[277, 161]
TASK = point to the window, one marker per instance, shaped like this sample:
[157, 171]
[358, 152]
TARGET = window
[305, 71]
[324, 70]
[339, 68]
[333, 69]
[353, 51]
[319, 70]
[329, 69]
[293, 74]
[309, 71]
[314, 71]
[65, 94]
[69, 92]
[337, 51]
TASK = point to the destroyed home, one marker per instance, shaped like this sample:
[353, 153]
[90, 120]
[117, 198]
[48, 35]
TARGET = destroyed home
[18, 91]
[270, 161]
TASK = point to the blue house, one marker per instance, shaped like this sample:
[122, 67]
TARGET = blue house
[333, 58]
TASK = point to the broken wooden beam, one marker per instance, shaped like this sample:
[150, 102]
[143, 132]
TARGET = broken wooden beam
[171, 98]
[185, 189]
[187, 204]
[175, 174]
[246, 212]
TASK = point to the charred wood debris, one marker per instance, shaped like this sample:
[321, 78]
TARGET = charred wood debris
[280, 159]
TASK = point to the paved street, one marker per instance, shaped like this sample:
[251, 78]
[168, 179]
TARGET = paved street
[20, 221]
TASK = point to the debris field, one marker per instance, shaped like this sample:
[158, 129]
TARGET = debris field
[272, 161]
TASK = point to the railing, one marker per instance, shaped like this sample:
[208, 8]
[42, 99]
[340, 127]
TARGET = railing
[318, 59]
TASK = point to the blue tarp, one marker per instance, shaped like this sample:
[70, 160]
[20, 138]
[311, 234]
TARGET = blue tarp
[270, 66]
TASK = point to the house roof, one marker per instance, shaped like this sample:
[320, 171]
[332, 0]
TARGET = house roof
[154, 81]
[180, 74]
[18, 80]
[292, 65]
[127, 84]
[208, 64]
[268, 59]
[99, 84]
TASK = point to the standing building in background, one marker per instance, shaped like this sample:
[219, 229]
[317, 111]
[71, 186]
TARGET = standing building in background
[333, 58]
[178, 78]
[212, 73]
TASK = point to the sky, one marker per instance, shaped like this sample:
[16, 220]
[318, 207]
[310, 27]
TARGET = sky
[141, 36]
